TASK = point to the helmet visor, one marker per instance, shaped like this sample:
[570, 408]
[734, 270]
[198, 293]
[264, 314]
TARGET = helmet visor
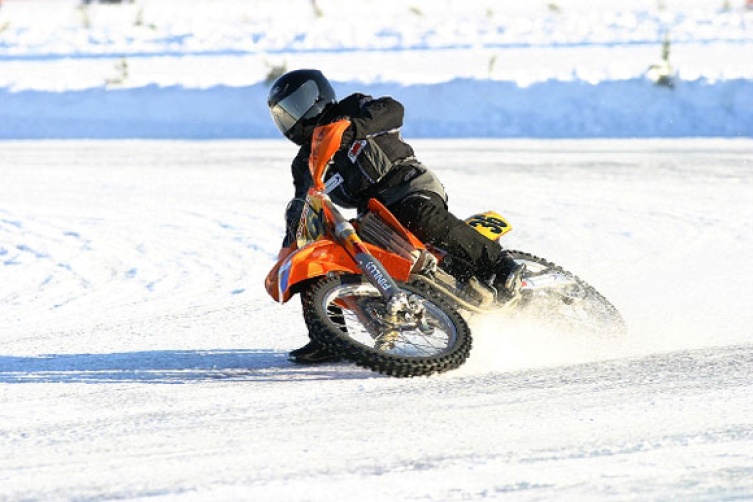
[293, 107]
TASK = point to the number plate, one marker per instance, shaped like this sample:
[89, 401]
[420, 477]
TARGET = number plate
[310, 226]
[489, 224]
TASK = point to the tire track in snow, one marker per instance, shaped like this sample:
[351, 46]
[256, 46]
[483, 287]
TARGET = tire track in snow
[154, 232]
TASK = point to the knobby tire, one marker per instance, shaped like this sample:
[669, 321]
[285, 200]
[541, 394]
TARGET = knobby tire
[335, 338]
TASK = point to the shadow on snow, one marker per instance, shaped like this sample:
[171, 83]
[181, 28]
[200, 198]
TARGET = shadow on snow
[169, 367]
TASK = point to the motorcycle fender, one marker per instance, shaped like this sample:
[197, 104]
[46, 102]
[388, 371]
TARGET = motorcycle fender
[322, 258]
[315, 260]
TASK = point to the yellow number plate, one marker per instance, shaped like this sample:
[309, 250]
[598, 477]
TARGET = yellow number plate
[489, 224]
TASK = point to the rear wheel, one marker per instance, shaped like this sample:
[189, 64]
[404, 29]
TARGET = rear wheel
[349, 317]
[555, 296]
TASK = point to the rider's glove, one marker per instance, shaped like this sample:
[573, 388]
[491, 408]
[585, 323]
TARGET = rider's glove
[348, 134]
[347, 139]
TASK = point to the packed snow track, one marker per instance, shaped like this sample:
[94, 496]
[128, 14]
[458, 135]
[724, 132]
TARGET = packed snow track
[129, 268]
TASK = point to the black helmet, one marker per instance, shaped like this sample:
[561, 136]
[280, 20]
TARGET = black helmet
[296, 101]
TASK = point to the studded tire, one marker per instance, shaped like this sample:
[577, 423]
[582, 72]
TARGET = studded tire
[578, 306]
[343, 314]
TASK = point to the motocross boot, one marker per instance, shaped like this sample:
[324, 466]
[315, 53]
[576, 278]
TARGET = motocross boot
[312, 353]
[508, 277]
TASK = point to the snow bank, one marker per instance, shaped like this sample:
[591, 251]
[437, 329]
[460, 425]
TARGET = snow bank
[460, 108]
[172, 69]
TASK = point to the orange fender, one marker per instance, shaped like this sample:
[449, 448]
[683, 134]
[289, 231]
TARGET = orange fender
[321, 258]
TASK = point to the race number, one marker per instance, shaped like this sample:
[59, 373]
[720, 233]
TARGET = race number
[489, 224]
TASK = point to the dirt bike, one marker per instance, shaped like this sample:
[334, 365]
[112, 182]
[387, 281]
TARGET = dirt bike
[376, 295]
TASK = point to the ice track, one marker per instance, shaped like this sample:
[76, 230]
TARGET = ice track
[129, 267]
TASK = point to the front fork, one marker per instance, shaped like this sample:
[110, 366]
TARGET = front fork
[397, 301]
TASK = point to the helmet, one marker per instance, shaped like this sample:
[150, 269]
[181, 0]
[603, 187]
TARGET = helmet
[297, 100]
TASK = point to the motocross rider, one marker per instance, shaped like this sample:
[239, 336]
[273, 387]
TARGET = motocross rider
[302, 99]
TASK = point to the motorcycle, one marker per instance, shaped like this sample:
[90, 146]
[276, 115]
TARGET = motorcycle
[376, 295]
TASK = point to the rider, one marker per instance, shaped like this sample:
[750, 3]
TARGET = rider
[374, 161]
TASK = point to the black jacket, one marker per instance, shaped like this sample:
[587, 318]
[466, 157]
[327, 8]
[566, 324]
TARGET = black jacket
[373, 161]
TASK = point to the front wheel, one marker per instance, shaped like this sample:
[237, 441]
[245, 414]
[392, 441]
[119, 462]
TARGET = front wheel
[348, 316]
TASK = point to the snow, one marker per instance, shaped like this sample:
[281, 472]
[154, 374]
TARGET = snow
[141, 359]
[168, 69]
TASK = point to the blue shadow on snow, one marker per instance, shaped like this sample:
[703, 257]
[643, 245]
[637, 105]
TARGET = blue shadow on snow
[168, 367]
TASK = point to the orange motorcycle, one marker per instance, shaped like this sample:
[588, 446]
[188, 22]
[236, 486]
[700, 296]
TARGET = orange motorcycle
[376, 295]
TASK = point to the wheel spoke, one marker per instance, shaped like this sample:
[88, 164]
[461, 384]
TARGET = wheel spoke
[358, 312]
[418, 334]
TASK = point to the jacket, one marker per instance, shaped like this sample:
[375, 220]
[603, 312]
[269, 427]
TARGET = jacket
[373, 160]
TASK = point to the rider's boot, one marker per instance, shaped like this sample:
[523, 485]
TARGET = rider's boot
[508, 277]
[312, 353]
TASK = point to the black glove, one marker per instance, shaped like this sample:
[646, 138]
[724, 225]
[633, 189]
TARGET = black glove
[348, 134]
[347, 138]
